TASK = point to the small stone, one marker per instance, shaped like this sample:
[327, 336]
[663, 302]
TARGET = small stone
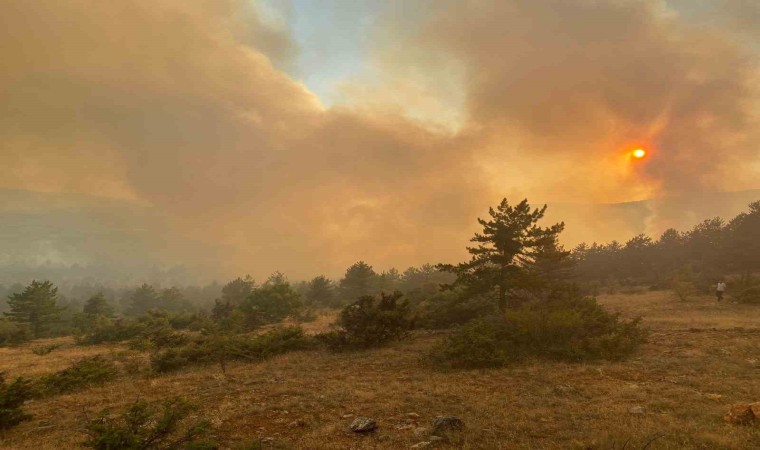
[298, 423]
[447, 423]
[422, 444]
[412, 415]
[363, 425]
[637, 410]
[347, 416]
[421, 431]
[714, 396]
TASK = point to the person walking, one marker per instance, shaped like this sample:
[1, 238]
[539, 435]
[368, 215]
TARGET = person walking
[720, 289]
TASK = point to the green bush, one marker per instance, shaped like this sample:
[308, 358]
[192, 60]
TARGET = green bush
[479, 344]
[106, 330]
[143, 427]
[565, 326]
[12, 398]
[12, 333]
[219, 348]
[749, 295]
[156, 332]
[450, 308]
[572, 329]
[274, 301]
[93, 370]
[188, 321]
[370, 322]
[153, 330]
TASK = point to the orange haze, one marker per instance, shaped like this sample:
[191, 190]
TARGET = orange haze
[183, 108]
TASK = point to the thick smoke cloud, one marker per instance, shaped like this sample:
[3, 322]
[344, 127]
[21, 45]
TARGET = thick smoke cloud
[187, 108]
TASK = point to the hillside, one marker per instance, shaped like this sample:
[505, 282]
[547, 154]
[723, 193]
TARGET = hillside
[700, 358]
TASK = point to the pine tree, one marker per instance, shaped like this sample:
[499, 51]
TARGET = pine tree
[97, 305]
[142, 299]
[36, 306]
[320, 292]
[360, 280]
[273, 301]
[173, 300]
[234, 294]
[743, 242]
[509, 243]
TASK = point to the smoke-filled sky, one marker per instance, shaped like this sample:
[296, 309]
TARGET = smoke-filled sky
[304, 135]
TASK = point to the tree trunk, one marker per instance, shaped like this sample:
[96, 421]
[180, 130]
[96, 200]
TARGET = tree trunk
[503, 288]
[502, 297]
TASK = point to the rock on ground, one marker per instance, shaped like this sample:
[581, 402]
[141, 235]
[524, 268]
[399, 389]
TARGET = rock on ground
[363, 425]
[745, 414]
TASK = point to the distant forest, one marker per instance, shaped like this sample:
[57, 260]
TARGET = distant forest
[712, 250]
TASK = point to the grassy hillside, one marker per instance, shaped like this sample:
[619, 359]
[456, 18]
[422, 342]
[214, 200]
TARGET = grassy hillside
[701, 358]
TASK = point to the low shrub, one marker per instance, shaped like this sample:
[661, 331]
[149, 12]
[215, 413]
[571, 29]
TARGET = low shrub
[129, 361]
[157, 337]
[219, 348]
[143, 427]
[565, 326]
[106, 330]
[749, 295]
[93, 370]
[451, 308]
[370, 322]
[479, 344]
[12, 398]
[272, 302]
[13, 333]
[43, 350]
[572, 329]
[188, 321]
[153, 330]
[683, 289]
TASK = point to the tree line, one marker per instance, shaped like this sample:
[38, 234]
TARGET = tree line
[712, 250]
[514, 261]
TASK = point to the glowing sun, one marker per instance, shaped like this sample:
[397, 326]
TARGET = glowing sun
[639, 153]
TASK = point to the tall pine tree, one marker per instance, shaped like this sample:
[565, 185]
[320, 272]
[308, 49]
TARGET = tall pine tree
[321, 292]
[36, 306]
[360, 280]
[511, 241]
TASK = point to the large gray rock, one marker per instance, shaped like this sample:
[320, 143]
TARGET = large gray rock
[363, 425]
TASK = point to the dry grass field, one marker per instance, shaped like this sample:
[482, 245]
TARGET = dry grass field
[700, 358]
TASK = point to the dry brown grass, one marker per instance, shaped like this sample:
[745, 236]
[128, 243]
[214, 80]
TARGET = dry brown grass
[21, 361]
[683, 379]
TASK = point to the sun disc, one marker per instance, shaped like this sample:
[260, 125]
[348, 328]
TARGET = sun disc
[639, 153]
